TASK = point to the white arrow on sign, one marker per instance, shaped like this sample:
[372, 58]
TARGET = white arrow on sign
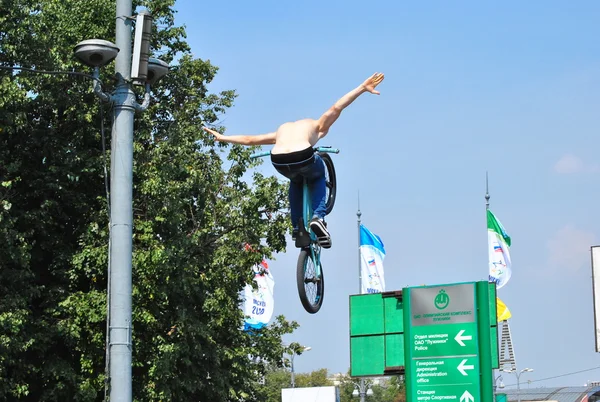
[467, 397]
[460, 337]
[462, 367]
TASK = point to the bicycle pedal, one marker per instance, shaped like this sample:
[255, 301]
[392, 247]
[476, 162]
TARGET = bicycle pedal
[303, 239]
[324, 242]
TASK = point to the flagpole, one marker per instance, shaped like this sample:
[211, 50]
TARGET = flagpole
[358, 215]
[487, 207]
[487, 192]
[361, 387]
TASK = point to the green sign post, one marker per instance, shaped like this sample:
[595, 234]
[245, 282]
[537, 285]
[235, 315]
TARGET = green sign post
[442, 337]
[447, 343]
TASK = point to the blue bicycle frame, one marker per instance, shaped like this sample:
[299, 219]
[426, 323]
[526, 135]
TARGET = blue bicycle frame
[307, 210]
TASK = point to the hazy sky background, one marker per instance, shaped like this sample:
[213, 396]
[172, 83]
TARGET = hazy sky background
[509, 87]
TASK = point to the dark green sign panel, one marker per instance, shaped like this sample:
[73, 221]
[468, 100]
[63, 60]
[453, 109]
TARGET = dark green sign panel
[444, 340]
[454, 378]
[443, 337]
[376, 334]
[447, 335]
[493, 325]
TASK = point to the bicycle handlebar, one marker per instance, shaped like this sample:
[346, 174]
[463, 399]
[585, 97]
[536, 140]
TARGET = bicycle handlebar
[327, 149]
[260, 155]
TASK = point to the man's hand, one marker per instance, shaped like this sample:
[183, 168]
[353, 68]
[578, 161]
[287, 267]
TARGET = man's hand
[218, 136]
[371, 82]
[331, 115]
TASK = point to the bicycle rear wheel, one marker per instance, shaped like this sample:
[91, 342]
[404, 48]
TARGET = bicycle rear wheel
[330, 181]
[311, 288]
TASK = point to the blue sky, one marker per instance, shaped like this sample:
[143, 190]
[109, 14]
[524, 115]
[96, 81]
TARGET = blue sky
[512, 88]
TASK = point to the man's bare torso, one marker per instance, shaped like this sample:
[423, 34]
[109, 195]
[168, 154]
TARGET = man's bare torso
[295, 136]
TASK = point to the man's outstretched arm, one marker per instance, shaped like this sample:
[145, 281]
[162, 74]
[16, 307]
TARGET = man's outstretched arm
[262, 139]
[331, 115]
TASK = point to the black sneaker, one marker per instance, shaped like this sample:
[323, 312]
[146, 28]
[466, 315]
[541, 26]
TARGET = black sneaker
[319, 227]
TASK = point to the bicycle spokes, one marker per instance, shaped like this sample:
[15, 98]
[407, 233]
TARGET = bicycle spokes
[310, 281]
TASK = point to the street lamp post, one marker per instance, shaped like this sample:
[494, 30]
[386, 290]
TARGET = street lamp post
[501, 386]
[304, 349]
[97, 53]
[362, 389]
[518, 374]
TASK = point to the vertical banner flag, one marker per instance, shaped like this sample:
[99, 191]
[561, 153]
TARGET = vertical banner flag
[502, 312]
[498, 251]
[259, 303]
[372, 254]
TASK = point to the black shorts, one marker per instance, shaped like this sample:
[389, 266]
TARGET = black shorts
[295, 159]
[298, 165]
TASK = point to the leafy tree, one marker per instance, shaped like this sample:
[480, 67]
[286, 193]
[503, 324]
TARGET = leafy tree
[193, 212]
[390, 389]
[275, 380]
[317, 378]
[278, 378]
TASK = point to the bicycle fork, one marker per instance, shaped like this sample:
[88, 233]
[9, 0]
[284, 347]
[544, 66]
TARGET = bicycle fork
[311, 238]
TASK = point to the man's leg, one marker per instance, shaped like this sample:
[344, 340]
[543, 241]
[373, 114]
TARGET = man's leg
[318, 192]
[295, 197]
[318, 188]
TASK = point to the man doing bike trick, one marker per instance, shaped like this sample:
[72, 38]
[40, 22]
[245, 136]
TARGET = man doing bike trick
[294, 157]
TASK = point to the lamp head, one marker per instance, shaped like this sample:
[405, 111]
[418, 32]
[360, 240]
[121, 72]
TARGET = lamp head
[156, 70]
[96, 52]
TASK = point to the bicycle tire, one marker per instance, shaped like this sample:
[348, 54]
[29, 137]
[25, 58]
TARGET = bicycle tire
[311, 306]
[331, 182]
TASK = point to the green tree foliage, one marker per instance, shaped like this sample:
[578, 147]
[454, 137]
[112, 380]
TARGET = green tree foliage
[389, 389]
[274, 381]
[193, 212]
[278, 378]
[317, 378]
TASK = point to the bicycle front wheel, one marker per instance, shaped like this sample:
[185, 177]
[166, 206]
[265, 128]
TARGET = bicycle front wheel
[311, 288]
[330, 181]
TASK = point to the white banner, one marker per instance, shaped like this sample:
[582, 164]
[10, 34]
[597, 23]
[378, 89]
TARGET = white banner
[372, 254]
[500, 267]
[259, 303]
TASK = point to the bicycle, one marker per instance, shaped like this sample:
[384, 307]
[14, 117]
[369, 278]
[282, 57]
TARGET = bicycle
[310, 280]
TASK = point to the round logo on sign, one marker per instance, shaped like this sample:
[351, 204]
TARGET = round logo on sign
[442, 300]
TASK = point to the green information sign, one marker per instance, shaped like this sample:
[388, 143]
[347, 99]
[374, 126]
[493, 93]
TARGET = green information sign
[443, 338]
[454, 378]
[443, 341]
[442, 304]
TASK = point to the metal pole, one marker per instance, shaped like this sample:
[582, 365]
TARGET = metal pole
[121, 213]
[487, 207]
[293, 379]
[495, 384]
[358, 215]
[487, 192]
[519, 387]
[485, 344]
